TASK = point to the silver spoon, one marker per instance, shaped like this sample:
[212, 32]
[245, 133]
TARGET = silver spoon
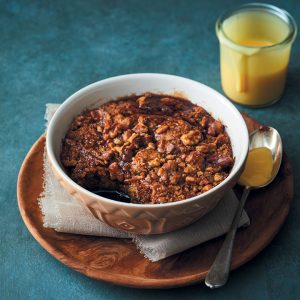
[264, 137]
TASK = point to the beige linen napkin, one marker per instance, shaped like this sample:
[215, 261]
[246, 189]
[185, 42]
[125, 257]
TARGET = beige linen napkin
[65, 214]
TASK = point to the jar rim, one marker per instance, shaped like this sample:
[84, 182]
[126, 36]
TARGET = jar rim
[271, 9]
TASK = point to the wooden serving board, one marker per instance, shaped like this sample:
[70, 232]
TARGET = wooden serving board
[118, 261]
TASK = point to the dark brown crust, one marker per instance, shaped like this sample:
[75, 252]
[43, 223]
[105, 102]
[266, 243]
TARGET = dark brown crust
[156, 148]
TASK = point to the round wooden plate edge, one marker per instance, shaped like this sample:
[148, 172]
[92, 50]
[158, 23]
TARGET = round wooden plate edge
[122, 279]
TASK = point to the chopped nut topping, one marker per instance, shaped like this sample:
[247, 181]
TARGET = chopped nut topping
[118, 141]
[162, 129]
[218, 177]
[141, 101]
[154, 163]
[151, 146]
[207, 188]
[190, 179]
[191, 138]
[155, 148]
[132, 137]
[140, 128]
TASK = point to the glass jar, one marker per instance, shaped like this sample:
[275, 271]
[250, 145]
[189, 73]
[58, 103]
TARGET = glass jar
[255, 44]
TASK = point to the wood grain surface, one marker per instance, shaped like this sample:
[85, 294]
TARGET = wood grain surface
[118, 261]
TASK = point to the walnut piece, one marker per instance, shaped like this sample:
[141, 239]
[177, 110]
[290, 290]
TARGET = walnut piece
[191, 138]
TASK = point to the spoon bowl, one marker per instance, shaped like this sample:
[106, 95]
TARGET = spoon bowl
[267, 137]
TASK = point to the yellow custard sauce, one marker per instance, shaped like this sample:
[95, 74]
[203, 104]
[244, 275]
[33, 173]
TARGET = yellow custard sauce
[254, 55]
[256, 42]
[258, 169]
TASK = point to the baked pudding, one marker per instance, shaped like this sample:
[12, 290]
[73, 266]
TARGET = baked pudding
[155, 148]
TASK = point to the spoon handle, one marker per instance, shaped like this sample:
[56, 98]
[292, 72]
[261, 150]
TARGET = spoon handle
[219, 271]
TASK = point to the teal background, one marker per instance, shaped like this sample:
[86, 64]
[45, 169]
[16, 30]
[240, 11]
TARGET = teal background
[50, 49]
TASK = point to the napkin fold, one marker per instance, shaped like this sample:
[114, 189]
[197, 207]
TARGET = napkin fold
[64, 213]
